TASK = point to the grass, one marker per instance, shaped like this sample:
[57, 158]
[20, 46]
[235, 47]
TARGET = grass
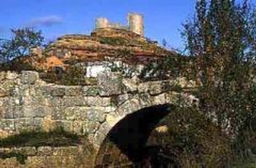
[115, 41]
[57, 137]
[20, 157]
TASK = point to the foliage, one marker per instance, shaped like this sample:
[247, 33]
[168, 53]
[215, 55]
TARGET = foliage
[171, 66]
[20, 44]
[56, 137]
[20, 157]
[192, 140]
[17, 65]
[73, 75]
[115, 41]
[222, 37]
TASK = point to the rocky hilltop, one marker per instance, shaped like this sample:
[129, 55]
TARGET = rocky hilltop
[102, 44]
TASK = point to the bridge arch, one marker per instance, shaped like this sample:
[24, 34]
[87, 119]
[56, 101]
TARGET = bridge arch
[126, 140]
[138, 102]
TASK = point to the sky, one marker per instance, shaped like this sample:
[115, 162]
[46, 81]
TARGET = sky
[162, 18]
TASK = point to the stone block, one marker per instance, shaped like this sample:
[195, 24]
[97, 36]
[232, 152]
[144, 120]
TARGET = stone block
[60, 151]
[98, 138]
[55, 101]
[37, 123]
[11, 75]
[105, 128]
[8, 112]
[36, 161]
[109, 109]
[24, 124]
[93, 101]
[130, 85]
[34, 111]
[144, 99]
[70, 101]
[57, 113]
[30, 151]
[129, 107]
[29, 77]
[143, 87]
[98, 101]
[73, 150]
[96, 114]
[2, 111]
[15, 91]
[159, 99]
[44, 151]
[2, 75]
[14, 101]
[58, 92]
[75, 113]
[110, 84]
[73, 90]
[90, 127]
[45, 90]
[4, 93]
[120, 99]
[112, 119]
[90, 90]
[18, 112]
[3, 101]
[78, 127]
[155, 87]
[105, 101]
[6, 87]
[8, 124]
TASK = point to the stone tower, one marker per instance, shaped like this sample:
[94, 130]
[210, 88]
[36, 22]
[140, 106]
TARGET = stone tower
[135, 22]
[102, 23]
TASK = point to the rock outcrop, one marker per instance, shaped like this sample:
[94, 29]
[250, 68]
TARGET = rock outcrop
[102, 45]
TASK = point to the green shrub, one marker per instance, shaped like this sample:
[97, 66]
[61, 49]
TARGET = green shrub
[56, 137]
[193, 140]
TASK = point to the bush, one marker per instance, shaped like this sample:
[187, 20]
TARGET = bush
[192, 140]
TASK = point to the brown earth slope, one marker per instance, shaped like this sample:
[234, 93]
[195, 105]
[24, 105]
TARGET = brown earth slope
[102, 44]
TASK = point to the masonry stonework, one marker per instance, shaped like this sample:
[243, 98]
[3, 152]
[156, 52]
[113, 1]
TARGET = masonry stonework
[135, 24]
[48, 157]
[29, 103]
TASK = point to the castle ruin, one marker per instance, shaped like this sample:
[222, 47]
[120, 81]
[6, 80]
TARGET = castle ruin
[135, 24]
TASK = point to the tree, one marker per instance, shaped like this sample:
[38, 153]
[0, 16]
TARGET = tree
[221, 36]
[20, 44]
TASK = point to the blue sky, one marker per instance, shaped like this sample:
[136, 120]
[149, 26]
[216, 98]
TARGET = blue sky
[162, 18]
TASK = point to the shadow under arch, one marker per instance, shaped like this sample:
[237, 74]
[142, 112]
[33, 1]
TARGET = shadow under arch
[129, 136]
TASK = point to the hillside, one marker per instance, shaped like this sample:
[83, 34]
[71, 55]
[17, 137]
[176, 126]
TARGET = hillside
[101, 45]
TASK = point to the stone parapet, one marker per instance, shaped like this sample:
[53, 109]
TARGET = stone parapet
[29, 103]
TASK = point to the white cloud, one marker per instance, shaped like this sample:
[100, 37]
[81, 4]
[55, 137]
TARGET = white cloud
[45, 21]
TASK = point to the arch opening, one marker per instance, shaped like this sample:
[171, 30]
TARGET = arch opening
[126, 142]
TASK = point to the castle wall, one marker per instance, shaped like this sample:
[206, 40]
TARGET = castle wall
[102, 23]
[135, 22]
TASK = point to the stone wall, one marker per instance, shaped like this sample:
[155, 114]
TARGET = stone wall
[135, 24]
[29, 103]
[47, 157]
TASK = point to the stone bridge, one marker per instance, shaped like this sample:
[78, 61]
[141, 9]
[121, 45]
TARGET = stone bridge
[113, 108]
